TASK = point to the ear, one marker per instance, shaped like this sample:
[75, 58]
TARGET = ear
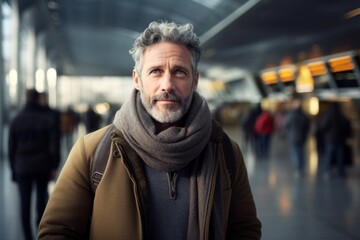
[196, 80]
[136, 79]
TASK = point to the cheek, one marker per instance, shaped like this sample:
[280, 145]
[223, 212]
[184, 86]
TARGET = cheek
[152, 86]
[148, 89]
[185, 90]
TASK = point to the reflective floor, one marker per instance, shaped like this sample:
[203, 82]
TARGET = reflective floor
[308, 207]
[290, 208]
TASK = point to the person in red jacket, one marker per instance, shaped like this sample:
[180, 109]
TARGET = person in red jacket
[264, 127]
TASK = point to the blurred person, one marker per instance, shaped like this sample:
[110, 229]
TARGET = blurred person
[167, 178]
[264, 128]
[33, 155]
[92, 120]
[111, 113]
[248, 126]
[297, 125]
[69, 123]
[279, 123]
[56, 115]
[320, 145]
[336, 130]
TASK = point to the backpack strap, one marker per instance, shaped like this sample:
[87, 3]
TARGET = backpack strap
[220, 137]
[100, 158]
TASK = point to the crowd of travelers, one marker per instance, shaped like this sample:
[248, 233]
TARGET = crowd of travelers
[293, 126]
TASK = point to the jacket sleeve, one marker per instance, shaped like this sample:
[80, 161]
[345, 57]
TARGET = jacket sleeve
[243, 221]
[68, 212]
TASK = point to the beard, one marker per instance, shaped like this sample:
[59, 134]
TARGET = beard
[169, 114]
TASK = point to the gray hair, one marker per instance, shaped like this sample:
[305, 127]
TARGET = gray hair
[166, 31]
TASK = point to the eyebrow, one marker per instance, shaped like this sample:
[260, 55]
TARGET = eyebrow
[177, 66]
[183, 67]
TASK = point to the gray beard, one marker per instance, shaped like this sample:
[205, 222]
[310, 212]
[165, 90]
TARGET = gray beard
[168, 116]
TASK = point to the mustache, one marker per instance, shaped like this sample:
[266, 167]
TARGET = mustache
[166, 96]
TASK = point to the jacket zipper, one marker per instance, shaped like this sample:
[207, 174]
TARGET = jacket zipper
[172, 177]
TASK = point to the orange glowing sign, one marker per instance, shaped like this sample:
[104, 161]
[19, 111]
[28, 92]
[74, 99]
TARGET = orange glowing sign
[287, 74]
[341, 64]
[317, 68]
[269, 77]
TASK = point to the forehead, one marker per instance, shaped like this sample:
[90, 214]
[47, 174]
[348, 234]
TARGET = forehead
[162, 52]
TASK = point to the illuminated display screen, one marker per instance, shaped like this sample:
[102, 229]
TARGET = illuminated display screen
[322, 82]
[287, 76]
[270, 80]
[319, 74]
[273, 88]
[345, 79]
[289, 84]
[342, 69]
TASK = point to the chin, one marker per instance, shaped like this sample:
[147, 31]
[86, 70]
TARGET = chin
[167, 116]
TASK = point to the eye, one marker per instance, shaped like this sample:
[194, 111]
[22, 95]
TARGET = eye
[180, 72]
[155, 71]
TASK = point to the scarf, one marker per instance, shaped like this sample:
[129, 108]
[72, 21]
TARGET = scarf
[175, 148]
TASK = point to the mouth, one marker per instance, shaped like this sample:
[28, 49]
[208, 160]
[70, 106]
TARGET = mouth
[166, 99]
[167, 102]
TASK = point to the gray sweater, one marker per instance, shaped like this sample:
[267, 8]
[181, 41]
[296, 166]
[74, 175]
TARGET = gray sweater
[168, 210]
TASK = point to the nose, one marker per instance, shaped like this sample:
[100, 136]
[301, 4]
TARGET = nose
[167, 83]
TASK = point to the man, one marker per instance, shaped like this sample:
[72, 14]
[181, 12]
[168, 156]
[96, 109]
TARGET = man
[335, 128]
[166, 178]
[52, 112]
[248, 126]
[33, 156]
[92, 119]
[297, 125]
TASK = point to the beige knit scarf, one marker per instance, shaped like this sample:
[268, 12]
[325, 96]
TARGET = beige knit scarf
[173, 149]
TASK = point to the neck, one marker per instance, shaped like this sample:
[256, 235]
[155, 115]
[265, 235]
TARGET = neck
[163, 126]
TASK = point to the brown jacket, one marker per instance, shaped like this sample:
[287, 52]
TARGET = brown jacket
[73, 212]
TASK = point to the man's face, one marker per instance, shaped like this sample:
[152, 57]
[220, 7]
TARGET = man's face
[166, 81]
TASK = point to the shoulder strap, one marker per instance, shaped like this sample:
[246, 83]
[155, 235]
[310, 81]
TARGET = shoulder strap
[219, 136]
[100, 158]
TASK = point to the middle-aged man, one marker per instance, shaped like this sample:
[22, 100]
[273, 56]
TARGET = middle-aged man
[166, 176]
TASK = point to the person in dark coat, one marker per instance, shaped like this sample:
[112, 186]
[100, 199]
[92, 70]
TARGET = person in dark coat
[297, 125]
[33, 139]
[335, 129]
[92, 120]
[248, 125]
[56, 115]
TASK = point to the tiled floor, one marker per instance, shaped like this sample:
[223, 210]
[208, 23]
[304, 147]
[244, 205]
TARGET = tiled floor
[306, 208]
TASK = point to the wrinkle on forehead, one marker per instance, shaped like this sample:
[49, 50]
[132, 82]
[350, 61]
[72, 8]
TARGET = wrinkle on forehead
[165, 53]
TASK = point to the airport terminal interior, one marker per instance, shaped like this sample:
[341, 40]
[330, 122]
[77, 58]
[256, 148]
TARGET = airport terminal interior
[263, 54]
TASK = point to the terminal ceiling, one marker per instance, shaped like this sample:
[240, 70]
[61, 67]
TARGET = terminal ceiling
[93, 37]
